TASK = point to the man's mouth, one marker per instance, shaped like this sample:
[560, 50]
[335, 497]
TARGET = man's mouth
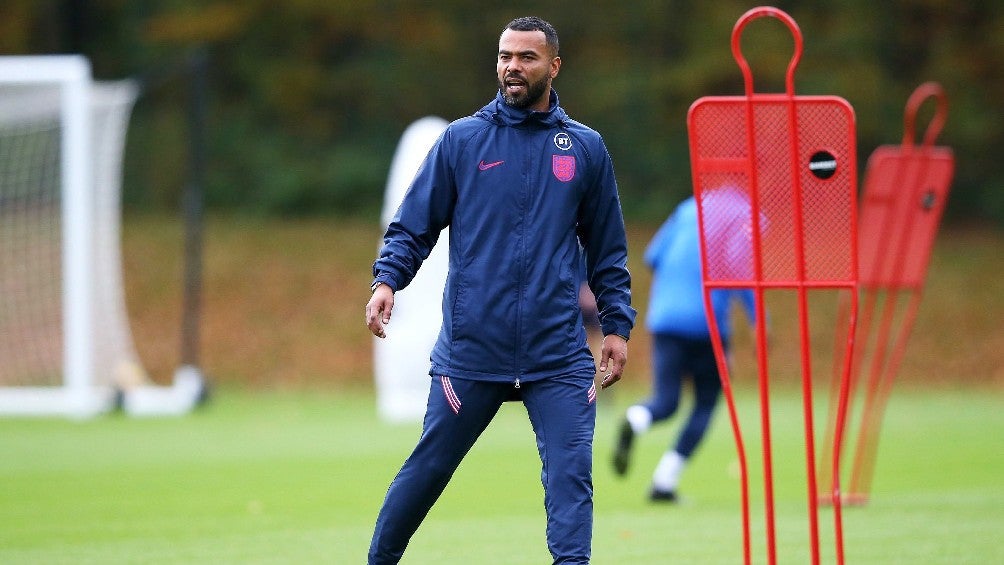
[514, 84]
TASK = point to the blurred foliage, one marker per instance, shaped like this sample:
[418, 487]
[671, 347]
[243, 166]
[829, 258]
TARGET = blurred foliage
[309, 97]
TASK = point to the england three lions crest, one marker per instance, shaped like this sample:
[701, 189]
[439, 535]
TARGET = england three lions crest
[563, 167]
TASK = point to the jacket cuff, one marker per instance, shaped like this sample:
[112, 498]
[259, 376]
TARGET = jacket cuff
[618, 330]
[383, 278]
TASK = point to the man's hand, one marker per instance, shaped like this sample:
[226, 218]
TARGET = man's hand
[378, 309]
[613, 357]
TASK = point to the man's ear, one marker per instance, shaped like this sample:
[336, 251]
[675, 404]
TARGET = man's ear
[555, 66]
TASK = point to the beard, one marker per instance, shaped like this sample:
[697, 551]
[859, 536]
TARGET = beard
[534, 92]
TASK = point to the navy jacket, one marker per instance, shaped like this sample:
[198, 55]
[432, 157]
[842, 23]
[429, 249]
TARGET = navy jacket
[524, 194]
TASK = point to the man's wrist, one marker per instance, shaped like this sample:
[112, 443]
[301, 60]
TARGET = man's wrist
[376, 284]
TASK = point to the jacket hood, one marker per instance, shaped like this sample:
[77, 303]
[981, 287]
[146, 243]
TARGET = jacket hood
[501, 113]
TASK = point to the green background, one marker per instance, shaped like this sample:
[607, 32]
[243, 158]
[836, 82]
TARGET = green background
[309, 98]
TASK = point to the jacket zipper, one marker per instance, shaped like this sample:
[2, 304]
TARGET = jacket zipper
[522, 257]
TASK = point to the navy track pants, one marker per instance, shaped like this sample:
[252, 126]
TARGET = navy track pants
[562, 412]
[674, 357]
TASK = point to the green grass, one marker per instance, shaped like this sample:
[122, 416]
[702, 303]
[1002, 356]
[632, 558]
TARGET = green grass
[298, 477]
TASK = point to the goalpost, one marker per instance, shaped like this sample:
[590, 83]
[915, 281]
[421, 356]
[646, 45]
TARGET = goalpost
[65, 343]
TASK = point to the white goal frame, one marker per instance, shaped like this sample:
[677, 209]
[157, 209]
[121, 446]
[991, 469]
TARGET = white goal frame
[78, 396]
[100, 369]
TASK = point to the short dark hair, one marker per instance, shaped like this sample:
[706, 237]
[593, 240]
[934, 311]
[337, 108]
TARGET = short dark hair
[533, 23]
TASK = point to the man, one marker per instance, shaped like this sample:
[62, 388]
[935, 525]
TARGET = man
[681, 338]
[521, 186]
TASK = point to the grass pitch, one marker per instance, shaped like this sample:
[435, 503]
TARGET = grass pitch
[298, 477]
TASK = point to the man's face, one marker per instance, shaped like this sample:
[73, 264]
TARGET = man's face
[525, 68]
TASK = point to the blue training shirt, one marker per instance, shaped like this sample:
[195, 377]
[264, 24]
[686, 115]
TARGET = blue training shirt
[676, 300]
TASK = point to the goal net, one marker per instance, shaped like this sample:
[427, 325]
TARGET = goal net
[65, 342]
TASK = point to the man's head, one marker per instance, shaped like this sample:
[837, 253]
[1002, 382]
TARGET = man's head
[527, 63]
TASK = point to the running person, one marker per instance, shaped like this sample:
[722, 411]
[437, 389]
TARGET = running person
[681, 347]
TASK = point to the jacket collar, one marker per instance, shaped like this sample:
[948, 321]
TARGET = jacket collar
[501, 113]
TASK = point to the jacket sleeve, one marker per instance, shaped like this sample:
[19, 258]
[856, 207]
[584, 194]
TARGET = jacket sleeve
[425, 211]
[602, 233]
